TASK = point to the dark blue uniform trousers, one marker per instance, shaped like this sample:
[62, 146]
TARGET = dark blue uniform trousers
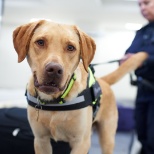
[144, 117]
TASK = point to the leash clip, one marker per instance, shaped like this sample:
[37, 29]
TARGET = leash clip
[38, 106]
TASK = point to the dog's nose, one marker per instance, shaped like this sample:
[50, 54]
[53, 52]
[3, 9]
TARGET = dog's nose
[54, 69]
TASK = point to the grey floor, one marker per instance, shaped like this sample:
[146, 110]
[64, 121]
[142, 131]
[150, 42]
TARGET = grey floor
[122, 143]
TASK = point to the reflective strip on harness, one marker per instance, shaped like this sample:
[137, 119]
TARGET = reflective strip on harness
[91, 78]
[69, 86]
[76, 100]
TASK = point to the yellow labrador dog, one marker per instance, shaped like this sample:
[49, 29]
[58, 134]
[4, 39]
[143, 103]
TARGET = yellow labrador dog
[59, 56]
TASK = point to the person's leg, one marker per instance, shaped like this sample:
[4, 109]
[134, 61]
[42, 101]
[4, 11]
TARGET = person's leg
[141, 123]
[150, 129]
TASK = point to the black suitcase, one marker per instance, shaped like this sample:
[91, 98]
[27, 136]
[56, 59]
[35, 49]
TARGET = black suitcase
[16, 136]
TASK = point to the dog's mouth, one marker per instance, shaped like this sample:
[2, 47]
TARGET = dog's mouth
[49, 87]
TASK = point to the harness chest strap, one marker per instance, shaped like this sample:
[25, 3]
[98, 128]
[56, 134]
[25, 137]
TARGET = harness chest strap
[83, 100]
[90, 96]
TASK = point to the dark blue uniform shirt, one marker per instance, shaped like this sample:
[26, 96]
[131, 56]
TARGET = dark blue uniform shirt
[144, 41]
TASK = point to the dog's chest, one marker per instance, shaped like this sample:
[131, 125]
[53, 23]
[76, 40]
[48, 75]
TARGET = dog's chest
[62, 125]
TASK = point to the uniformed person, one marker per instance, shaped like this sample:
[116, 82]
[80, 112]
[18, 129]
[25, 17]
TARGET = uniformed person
[144, 110]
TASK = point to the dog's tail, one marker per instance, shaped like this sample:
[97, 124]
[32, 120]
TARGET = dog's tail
[129, 65]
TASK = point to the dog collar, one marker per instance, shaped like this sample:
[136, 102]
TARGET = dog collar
[90, 96]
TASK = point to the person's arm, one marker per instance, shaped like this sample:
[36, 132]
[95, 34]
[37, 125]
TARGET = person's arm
[125, 57]
[136, 46]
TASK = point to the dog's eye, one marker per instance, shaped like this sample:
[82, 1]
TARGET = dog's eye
[70, 48]
[40, 42]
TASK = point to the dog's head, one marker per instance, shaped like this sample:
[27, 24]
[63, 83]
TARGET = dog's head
[53, 52]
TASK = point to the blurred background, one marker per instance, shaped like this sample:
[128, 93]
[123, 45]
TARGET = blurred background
[112, 24]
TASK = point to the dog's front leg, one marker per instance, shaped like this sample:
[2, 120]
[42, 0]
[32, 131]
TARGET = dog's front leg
[41, 133]
[42, 145]
[81, 147]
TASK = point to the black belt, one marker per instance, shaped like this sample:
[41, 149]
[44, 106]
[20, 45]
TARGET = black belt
[146, 83]
[143, 81]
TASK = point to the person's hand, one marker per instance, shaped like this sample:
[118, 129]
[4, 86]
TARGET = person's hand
[125, 57]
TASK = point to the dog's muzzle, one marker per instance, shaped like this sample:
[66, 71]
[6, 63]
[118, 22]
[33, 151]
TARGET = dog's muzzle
[53, 75]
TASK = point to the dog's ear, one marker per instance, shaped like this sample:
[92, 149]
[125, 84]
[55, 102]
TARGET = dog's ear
[22, 36]
[88, 48]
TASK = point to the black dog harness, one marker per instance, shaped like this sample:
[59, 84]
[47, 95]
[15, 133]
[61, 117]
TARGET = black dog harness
[88, 97]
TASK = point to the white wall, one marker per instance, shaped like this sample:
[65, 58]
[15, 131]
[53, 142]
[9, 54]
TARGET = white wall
[110, 46]
[13, 74]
